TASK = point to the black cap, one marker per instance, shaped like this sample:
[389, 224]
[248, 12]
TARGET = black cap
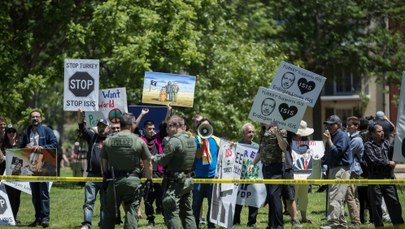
[102, 121]
[11, 127]
[333, 119]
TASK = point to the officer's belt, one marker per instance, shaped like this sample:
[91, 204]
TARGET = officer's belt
[124, 173]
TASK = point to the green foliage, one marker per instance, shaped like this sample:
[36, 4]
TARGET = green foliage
[233, 47]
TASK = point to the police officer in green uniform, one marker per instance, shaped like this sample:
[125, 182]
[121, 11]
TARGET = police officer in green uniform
[121, 155]
[178, 159]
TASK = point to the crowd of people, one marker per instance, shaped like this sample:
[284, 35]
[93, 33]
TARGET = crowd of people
[356, 148]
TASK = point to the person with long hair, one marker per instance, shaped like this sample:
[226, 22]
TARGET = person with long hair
[11, 141]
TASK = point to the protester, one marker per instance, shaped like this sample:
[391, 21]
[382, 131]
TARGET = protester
[357, 148]
[301, 197]
[273, 145]
[178, 158]
[338, 157]
[3, 125]
[205, 166]
[91, 189]
[387, 125]
[152, 140]
[121, 156]
[38, 137]
[378, 155]
[11, 141]
[248, 132]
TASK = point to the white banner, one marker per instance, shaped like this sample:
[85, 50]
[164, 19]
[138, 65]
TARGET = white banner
[81, 84]
[298, 82]
[112, 104]
[271, 106]
[6, 214]
[399, 145]
[250, 194]
[224, 195]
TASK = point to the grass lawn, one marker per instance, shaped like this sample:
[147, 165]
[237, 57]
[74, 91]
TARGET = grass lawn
[67, 201]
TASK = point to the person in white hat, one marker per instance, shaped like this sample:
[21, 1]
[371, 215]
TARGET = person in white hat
[301, 196]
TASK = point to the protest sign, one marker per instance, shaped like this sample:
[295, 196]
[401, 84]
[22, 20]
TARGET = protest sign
[6, 214]
[305, 154]
[81, 83]
[112, 104]
[270, 106]
[164, 88]
[250, 194]
[399, 142]
[224, 195]
[26, 162]
[156, 113]
[298, 82]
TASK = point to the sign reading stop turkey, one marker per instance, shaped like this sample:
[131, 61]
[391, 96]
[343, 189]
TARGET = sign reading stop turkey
[81, 90]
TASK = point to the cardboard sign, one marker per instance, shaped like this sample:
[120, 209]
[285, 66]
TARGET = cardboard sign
[304, 154]
[164, 88]
[81, 83]
[270, 106]
[112, 104]
[298, 82]
[6, 214]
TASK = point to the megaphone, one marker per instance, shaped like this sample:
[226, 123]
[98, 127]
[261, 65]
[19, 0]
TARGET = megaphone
[205, 131]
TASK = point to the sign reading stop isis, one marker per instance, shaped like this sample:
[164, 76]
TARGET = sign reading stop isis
[81, 85]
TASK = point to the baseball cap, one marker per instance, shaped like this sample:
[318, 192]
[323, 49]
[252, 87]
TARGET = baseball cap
[11, 127]
[333, 119]
[379, 115]
[102, 121]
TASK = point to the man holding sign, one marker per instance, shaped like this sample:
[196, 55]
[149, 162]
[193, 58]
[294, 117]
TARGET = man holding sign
[273, 145]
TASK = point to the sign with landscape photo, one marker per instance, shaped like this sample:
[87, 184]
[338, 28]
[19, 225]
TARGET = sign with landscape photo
[164, 88]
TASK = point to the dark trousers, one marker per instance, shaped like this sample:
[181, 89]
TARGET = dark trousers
[14, 196]
[389, 192]
[275, 218]
[40, 200]
[253, 211]
[364, 201]
[156, 195]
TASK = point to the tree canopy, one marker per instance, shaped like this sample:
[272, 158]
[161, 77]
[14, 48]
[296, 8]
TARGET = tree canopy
[233, 47]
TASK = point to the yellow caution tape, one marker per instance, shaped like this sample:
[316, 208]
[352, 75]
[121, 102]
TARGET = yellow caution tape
[219, 181]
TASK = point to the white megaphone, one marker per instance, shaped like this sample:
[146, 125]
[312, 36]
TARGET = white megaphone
[205, 131]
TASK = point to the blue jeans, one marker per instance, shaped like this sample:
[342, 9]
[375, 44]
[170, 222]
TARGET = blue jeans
[275, 217]
[40, 200]
[199, 192]
[90, 195]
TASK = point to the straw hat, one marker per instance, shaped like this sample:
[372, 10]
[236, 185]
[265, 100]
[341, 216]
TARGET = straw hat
[304, 130]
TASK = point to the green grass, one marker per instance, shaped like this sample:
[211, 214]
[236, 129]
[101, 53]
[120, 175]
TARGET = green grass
[67, 201]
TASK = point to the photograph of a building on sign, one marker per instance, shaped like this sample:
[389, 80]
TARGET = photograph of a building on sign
[164, 88]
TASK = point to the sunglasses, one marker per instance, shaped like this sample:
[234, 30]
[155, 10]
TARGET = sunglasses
[11, 131]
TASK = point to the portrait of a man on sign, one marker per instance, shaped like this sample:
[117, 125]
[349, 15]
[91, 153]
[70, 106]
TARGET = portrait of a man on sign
[287, 80]
[268, 106]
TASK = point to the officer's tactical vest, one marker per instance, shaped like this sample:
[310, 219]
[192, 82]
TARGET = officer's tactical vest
[124, 147]
[270, 151]
[183, 159]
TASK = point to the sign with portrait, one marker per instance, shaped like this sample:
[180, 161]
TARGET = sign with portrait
[81, 83]
[164, 88]
[399, 142]
[27, 162]
[271, 106]
[112, 104]
[306, 157]
[298, 82]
